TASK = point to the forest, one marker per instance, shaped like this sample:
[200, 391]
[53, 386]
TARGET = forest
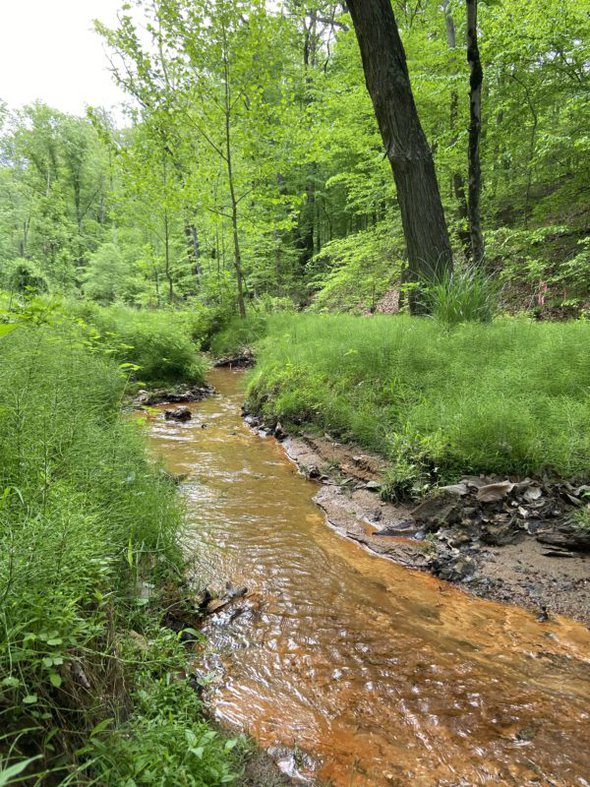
[381, 206]
[251, 172]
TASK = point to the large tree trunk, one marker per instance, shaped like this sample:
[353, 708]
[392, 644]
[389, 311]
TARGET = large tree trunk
[475, 81]
[388, 83]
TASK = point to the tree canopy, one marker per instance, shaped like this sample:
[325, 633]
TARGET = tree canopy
[252, 165]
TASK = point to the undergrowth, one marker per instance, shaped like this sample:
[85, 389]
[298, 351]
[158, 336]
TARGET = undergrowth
[509, 397]
[238, 335]
[164, 344]
[88, 535]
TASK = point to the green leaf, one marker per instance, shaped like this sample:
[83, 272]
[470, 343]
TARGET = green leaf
[30, 699]
[6, 329]
[55, 679]
[101, 727]
[7, 774]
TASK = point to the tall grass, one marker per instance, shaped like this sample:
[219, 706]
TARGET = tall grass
[86, 524]
[467, 294]
[237, 335]
[510, 397]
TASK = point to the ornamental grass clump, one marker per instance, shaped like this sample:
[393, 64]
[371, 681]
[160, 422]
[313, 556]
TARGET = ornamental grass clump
[466, 294]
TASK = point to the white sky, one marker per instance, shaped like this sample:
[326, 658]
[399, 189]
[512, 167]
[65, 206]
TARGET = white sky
[49, 51]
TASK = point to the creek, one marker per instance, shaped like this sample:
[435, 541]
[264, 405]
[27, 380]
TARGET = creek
[351, 669]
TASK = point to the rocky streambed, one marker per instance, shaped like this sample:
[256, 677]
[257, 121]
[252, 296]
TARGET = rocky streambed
[510, 539]
[348, 668]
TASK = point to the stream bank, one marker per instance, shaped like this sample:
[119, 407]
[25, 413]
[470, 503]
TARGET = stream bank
[353, 669]
[510, 540]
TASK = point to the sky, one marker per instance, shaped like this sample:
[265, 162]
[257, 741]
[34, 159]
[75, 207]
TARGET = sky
[49, 51]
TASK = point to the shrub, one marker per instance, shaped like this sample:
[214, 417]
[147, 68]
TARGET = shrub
[238, 335]
[467, 294]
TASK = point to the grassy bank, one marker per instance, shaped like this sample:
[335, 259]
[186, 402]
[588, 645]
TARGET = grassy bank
[91, 688]
[510, 397]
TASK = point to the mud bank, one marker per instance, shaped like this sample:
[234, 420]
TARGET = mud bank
[502, 539]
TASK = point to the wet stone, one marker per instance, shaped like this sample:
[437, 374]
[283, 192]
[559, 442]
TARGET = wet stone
[181, 414]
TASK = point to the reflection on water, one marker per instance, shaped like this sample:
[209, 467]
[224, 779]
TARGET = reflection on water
[381, 675]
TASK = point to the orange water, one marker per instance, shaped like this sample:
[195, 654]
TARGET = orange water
[355, 670]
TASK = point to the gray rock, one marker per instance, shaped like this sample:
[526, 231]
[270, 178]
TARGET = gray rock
[434, 512]
[181, 414]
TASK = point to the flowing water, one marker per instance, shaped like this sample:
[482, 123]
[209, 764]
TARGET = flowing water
[355, 670]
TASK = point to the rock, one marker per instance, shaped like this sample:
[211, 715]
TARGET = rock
[216, 604]
[252, 420]
[491, 493]
[241, 361]
[454, 569]
[279, 432]
[181, 414]
[460, 539]
[434, 512]
[456, 489]
[374, 486]
[500, 533]
[175, 396]
[403, 528]
[236, 592]
[532, 493]
[473, 481]
[566, 536]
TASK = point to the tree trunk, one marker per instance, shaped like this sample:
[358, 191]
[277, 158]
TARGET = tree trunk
[475, 81]
[193, 247]
[167, 270]
[307, 218]
[388, 83]
[457, 178]
[232, 193]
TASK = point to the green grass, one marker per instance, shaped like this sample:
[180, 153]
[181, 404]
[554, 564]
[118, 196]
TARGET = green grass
[463, 295]
[86, 523]
[509, 397]
[237, 335]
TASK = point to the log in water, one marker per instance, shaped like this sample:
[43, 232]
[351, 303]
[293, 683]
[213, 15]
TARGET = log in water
[353, 669]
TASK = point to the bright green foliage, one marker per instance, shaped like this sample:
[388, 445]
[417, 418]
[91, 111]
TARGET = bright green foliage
[238, 335]
[159, 343]
[107, 277]
[165, 742]
[79, 497]
[257, 121]
[507, 398]
[353, 273]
